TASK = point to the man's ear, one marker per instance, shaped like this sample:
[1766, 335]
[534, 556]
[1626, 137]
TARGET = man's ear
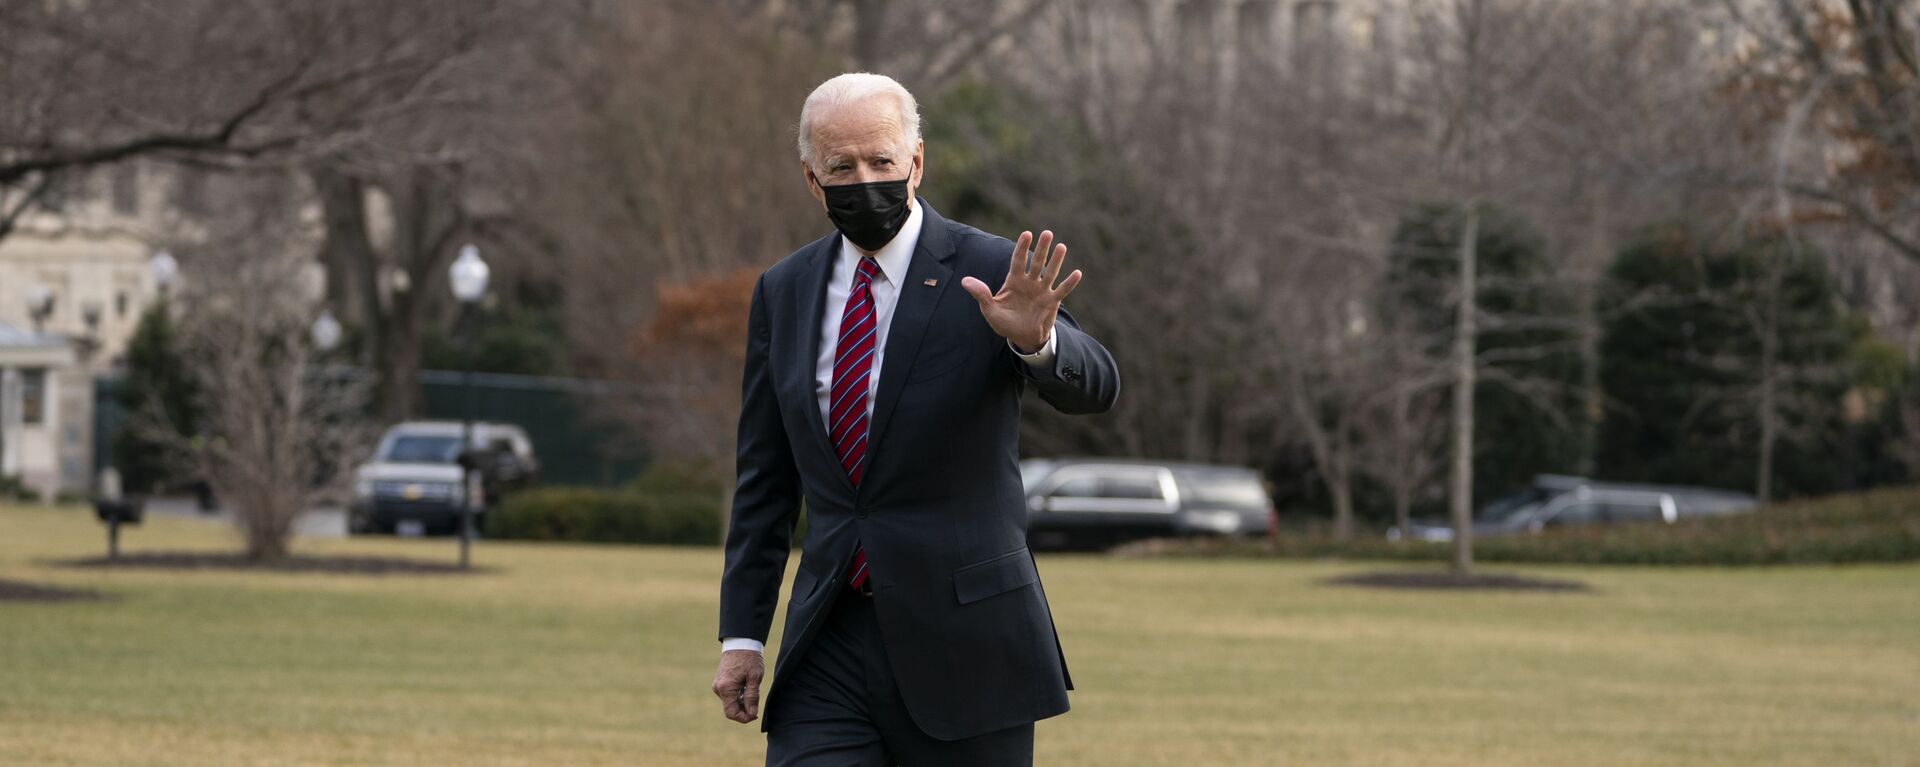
[919, 162]
[813, 184]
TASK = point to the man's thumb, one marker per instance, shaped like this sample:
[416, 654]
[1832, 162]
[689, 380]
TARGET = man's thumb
[977, 289]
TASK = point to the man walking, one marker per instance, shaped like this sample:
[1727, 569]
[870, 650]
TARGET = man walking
[917, 630]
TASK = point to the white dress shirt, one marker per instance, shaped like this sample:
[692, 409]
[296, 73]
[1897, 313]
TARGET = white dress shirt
[892, 259]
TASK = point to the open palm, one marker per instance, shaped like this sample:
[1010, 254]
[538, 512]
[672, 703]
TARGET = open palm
[1023, 311]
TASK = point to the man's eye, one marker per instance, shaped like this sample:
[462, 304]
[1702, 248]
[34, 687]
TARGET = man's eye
[883, 161]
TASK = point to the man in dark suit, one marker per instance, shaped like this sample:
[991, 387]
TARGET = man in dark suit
[917, 630]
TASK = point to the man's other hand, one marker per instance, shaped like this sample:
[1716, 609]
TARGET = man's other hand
[737, 683]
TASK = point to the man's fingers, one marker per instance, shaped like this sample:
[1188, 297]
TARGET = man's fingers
[1018, 264]
[1066, 286]
[1053, 265]
[978, 290]
[1037, 264]
[751, 701]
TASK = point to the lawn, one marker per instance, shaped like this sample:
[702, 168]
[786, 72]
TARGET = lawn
[585, 655]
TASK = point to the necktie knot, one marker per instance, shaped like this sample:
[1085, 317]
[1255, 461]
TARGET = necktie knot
[868, 268]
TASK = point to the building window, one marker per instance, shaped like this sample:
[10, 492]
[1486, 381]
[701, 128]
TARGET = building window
[33, 395]
[61, 190]
[120, 304]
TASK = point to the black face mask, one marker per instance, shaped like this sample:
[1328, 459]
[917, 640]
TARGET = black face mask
[868, 214]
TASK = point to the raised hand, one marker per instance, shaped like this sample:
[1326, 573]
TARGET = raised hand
[1023, 311]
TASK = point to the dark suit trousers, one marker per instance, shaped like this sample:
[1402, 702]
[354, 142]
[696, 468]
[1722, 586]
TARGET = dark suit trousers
[840, 707]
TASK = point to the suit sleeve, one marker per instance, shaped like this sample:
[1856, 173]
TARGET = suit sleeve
[1083, 377]
[766, 498]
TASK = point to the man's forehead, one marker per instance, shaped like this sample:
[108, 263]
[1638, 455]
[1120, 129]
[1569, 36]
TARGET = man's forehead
[867, 120]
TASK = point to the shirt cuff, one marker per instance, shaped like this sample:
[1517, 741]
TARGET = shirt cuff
[1039, 359]
[743, 643]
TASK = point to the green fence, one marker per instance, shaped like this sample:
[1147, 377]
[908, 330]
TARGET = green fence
[573, 448]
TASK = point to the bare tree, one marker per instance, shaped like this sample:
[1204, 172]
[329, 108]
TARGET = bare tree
[278, 427]
[210, 82]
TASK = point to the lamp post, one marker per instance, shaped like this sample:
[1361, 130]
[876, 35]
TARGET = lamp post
[39, 306]
[468, 278]
[164, 269]
[326, 331]
[90, 343]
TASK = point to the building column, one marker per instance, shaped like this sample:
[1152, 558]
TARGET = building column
[9, 422]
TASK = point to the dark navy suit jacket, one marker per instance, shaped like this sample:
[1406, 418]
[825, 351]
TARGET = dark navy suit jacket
[940, 510]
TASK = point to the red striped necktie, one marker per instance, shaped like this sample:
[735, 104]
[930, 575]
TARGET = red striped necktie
[847, 408]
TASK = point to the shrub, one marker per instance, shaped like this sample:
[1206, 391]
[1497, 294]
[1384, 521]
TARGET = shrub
[607, 516]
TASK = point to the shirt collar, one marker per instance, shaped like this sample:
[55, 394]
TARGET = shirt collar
[893, 257]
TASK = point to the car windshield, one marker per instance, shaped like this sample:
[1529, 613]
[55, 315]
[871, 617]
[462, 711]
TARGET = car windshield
[1032, 472]
[1511, 505]
[421, 449]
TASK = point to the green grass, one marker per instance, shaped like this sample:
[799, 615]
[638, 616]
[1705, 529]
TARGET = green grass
[586, 655]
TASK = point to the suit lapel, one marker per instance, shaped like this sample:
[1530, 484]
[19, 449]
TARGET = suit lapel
[813, 305]
[910, 315]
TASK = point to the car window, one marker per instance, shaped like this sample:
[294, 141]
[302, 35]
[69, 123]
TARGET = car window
[1237, 492]
[1139, 487]
[1078, 487]
[1513, 505]
[1577, 514]
[1031, 473]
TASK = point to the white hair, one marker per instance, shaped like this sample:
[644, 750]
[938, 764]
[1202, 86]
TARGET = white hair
[853, 88]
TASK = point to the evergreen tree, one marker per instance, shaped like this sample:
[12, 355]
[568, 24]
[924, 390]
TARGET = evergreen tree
[1710, 338]
[158, 381]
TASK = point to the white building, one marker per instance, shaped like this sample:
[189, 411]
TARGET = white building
[45, 412]
[87, 247]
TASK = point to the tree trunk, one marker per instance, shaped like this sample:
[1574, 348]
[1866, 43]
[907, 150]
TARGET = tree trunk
[1460, 497]
[345, 251]
[399, 363]
[1404, 475]
[1769, 396]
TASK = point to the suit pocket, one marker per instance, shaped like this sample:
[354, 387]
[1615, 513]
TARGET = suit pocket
[996, 575]
[804, 584]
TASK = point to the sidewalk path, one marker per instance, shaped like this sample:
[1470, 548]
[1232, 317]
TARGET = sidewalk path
[317, 522]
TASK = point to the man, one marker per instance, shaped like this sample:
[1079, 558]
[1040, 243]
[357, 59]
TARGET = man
[917, 630]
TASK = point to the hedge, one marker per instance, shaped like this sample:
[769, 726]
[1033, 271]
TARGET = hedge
[607, 516]
[1875, 526]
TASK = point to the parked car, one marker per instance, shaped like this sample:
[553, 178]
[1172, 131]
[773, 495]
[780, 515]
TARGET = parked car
[412, 483]
[1097, 502]
[1560, 501]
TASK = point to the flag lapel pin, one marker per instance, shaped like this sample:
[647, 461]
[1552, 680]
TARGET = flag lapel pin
[931, 281]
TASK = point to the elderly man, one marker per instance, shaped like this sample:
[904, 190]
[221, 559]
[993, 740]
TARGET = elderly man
[917, 630]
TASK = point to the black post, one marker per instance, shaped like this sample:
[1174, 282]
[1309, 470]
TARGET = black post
[113, 538]
[466, 437]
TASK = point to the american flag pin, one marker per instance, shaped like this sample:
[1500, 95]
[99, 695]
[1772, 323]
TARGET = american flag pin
[931, 282]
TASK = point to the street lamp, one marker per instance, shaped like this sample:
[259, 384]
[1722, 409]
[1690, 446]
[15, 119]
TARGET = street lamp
[326, 331]
[468, 278]
[39, 305]
[90, 343]
[164, 269]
